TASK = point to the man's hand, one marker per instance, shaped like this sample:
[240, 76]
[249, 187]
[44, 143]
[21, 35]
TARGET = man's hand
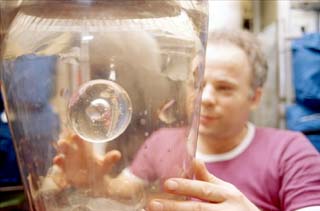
[213, 193]
[80, 166]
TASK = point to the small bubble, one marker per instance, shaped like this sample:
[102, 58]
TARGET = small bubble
[99, 110]
[146, 134]
[143, 121]
[153, 187]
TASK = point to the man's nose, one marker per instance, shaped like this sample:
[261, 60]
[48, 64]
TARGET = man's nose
[208, 95]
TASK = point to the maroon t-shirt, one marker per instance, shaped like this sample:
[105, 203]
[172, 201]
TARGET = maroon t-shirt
[163, 155]
[279, 170]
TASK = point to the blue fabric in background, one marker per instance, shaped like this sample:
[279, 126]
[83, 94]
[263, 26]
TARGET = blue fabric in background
[315, 140]
[9, 171]
[306, 70]
[29, 85]
[30, 80]
[305, 120]
[304, 116]
[301, 118]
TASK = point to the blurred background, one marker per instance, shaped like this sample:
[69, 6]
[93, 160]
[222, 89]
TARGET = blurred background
[289, 33]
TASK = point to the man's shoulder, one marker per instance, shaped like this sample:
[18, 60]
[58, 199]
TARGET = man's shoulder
[283, 141]
[172, 133]
[167, 136]
[275, 134]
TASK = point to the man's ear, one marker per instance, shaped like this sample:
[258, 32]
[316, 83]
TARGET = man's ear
[256, 98]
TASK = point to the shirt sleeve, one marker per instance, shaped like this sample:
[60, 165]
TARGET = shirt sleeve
[142, 164]
[300, 174]
[314, 208]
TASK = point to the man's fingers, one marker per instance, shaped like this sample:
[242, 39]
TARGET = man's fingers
[62, 146]
[196, 189]
[80, 142]
[201, 173]
[68, 146]
[75, 146]
[110, 159]
[59, 160]
[168, 205]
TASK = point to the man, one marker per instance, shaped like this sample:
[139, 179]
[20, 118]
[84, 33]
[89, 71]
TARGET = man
[273, 169]
[254, 168]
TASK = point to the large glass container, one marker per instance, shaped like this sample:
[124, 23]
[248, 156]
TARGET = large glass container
[87, 81]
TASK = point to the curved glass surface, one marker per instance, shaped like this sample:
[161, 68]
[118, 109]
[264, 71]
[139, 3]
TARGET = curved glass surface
[112, 75]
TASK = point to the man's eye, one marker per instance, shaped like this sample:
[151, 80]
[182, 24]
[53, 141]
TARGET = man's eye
[224, 88]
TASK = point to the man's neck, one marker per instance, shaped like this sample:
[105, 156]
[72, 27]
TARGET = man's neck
[212, 145]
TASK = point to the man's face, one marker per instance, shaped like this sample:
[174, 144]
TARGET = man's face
[226, 101]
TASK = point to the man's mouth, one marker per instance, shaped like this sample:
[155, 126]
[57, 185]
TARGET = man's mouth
[204, 119]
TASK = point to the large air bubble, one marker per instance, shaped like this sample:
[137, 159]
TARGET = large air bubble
[100, 111]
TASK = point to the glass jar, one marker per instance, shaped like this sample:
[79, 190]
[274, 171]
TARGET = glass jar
[87, 81]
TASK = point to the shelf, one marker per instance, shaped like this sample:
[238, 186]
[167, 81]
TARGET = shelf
[306, 5]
